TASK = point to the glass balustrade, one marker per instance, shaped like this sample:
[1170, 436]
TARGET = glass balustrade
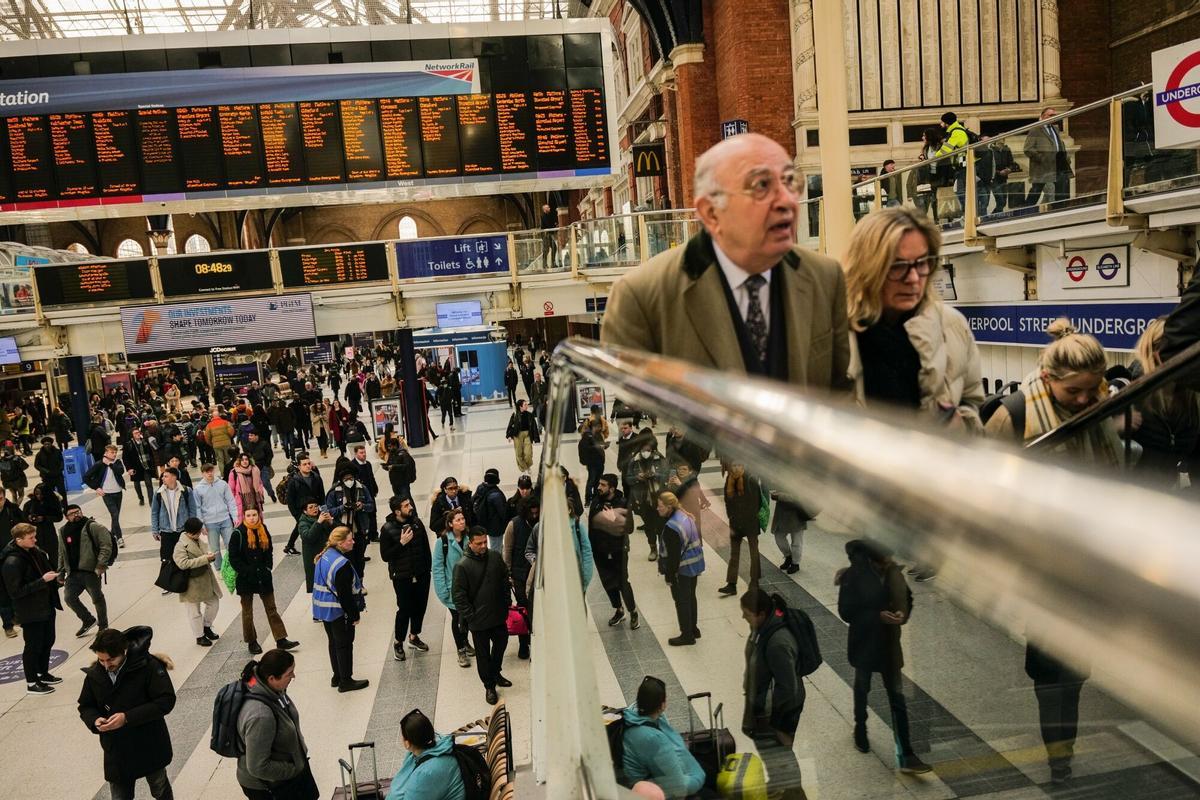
[608, 242]
[543, 251]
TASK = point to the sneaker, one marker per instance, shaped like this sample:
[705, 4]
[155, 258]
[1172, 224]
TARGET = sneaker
[787, 562]
[681, 641]
[10, 633]
[203, 642]
[49, 679]
[121, 542]
[861, 744]
[416, 644]
[38, 688]
[463, 661]
[83, 631]
[489, 695]
[503, 682]
[470, 651]
[728, 590]
[653, 556]
[792, 569]
[353, 685]
[635, 621]
[398, 652]
[209, 633]
[616, 618]
[291, 551]
[924, 576]
[911, 765]
[286, 644]
[255, 649]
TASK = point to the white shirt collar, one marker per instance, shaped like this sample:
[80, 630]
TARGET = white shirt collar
[734, 274]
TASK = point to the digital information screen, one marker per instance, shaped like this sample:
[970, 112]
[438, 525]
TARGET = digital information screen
[93, 282]
[218, 326]
[311, 267]
[232, 131]
[9, 354]
[242, 271]
[460, 314]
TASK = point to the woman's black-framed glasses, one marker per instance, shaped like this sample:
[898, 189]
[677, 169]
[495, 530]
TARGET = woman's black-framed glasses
[898, 270]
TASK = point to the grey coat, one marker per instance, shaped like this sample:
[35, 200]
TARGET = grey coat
[275, 749]
[202, 579]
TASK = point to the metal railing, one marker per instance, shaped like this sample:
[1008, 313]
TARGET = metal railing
[1015, 540]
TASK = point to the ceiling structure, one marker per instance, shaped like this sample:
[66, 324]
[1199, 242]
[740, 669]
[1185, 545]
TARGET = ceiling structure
[53, 19]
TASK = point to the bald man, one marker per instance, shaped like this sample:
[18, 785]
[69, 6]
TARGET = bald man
[740, 296]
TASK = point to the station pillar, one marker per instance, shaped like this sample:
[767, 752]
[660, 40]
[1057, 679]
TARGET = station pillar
[77, 386]
[416, 417]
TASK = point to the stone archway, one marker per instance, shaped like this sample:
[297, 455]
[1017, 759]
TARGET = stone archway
[389, 225]
[479, 223]
[333, 233]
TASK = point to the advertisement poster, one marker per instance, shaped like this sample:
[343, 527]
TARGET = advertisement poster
[589, 394]
[385, 410]
[112, 380]
[218, 326]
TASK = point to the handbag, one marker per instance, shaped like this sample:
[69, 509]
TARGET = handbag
[518, 621]
[171, 578]
[229, 575]
[612, 521]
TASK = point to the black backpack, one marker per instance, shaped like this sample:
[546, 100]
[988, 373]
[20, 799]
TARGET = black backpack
[972, 136]
[225, 740]
[615, 731]
[1013, 399]
[407, 467]
[476, 777]
[482, 507]
[87, 527]
[805, 634]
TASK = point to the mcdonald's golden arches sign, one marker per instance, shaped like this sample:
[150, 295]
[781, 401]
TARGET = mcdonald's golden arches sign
[649, 160]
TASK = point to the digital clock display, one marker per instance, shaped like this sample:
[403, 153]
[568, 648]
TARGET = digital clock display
[244, 271]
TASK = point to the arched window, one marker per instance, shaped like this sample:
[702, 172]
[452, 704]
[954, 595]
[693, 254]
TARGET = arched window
[130, 248]
[408, 228]
[196, 244]
[76, 247]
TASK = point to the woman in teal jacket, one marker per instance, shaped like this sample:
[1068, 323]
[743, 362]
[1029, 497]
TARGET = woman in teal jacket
[654, 751]
[447, 550]
[430, 770]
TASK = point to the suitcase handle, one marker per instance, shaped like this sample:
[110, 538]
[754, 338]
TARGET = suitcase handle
[361, 744]
[711, 719]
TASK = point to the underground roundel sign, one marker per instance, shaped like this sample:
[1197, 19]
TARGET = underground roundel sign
[1096, 268]
[1177, 95]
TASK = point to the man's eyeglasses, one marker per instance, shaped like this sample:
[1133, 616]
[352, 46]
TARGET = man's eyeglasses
[899, 270]
[453, 488]
[762, 184]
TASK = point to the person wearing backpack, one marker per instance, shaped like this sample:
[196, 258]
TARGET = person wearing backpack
[491, 508]
[447, 552]
[85, 550]
[875, 601]
[401, 468]
[430, 771]
[273, 763]
[774, 688]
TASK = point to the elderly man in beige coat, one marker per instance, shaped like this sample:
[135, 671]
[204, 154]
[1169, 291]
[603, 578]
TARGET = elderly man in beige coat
[740, 296]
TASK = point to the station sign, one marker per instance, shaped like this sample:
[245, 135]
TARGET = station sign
[1116, 325]
[1176, 73]
[1096, 268]
[452, 257]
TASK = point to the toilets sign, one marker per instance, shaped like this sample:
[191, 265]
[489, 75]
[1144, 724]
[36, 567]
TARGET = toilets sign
[1177, 95]
[455, 256]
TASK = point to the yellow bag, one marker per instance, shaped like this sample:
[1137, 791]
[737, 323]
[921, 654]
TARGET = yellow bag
[742, 777]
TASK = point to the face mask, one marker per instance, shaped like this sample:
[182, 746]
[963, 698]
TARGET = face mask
[348, 484]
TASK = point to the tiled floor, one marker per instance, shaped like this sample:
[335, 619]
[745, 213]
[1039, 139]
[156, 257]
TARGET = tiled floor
[973, 713]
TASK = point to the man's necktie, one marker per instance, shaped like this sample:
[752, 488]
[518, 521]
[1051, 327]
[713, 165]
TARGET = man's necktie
[756, 323]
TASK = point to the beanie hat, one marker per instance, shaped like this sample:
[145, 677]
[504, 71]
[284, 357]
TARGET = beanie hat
[949, 118]
[492, 476]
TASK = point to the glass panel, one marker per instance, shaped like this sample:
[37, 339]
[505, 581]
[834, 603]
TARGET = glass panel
[543, 251]
[1148, 169]
[808, 224]
[607, 242]
[667, 229]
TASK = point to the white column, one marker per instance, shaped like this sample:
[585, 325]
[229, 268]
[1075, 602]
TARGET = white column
[804, 67]
[1051, 52]
[834, 120]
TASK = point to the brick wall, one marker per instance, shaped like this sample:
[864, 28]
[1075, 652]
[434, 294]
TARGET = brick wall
[753, 53]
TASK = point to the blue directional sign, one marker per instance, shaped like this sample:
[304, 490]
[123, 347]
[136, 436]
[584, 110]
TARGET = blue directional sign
[452, 257]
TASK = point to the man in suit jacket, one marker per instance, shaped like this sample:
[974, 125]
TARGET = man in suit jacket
[1049, 164]
[740, 296]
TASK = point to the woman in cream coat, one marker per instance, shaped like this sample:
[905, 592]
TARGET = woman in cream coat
[203, 594]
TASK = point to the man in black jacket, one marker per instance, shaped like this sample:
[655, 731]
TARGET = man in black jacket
[139, 460]
[610, 551]
[126, 697]
[49, 464]
[303, 487]
[404, 545]
[481, 595]
[365, 471]
[259, 450]
[107, 478]
[510, 383]
[491, 508]
[31, 585]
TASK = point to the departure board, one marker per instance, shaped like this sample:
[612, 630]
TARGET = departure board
[160, 168]
[6, 189]
[552, 122]
[589, 134]
[514, 123]
[439, 137]
[322, 139]
[477, 134]
[241, 271]
[241, 146]
[313, 267]
[400, 122]
[29, 149]
[360, 138]
[71, 144]
[116, 153]
[93, 282]
[200, 153]
[283, 147]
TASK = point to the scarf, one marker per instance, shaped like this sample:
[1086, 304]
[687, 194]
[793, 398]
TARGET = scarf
[1098, 445]
[245, 480]
[734, 487]
[257, 537]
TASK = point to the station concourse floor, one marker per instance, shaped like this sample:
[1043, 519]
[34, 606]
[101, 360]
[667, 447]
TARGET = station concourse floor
[973, 712]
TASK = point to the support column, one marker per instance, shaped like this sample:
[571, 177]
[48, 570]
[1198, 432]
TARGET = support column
[834, 119]
[77, 386]
[696, 92]
[1051, 52]
[805, 49]
[413, 399]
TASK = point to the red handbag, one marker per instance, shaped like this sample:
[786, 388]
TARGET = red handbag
[518, 621]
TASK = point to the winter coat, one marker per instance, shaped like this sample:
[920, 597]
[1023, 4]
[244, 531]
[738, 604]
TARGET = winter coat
[742, 509]
[32, 598]
[313, 536]
[255, 483]
[219, 434]
[771, 678]
[214, 501]
[610, 552]
[951, 371]
[253, 566]
[583, 551]
[192, 556]
[1042, 153]
[46, 512]
[10, 514]
[275, 748]
[493, 514]
[49, 463]
[654, 751]
[13, 470]
[405, 561]
[94, 477]
[447, 552]
[437, 511]
[95, 545]
[144, 693]
[481, 590]
[863, 593]
[433, 776]
[300, 492]
[517, 536]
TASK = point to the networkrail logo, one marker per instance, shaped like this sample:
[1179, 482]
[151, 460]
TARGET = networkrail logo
[462, 71]
[146, 326]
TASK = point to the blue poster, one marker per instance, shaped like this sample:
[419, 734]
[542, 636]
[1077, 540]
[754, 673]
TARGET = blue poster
[1116, 325]
[452, 257]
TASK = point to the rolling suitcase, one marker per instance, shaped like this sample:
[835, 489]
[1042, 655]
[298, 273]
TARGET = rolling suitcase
[354, 789]
[742, 777]
[709, 745]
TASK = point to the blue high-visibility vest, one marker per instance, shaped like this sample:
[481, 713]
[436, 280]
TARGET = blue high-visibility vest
[326, 607]
[691, 559]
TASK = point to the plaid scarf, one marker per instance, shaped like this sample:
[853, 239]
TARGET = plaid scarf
[1099, 445]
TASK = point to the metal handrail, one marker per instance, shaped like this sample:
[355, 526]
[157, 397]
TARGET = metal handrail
[1016, 540]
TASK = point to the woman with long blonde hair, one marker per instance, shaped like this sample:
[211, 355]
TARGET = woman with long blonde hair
[681, 561]
[1169, 429]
